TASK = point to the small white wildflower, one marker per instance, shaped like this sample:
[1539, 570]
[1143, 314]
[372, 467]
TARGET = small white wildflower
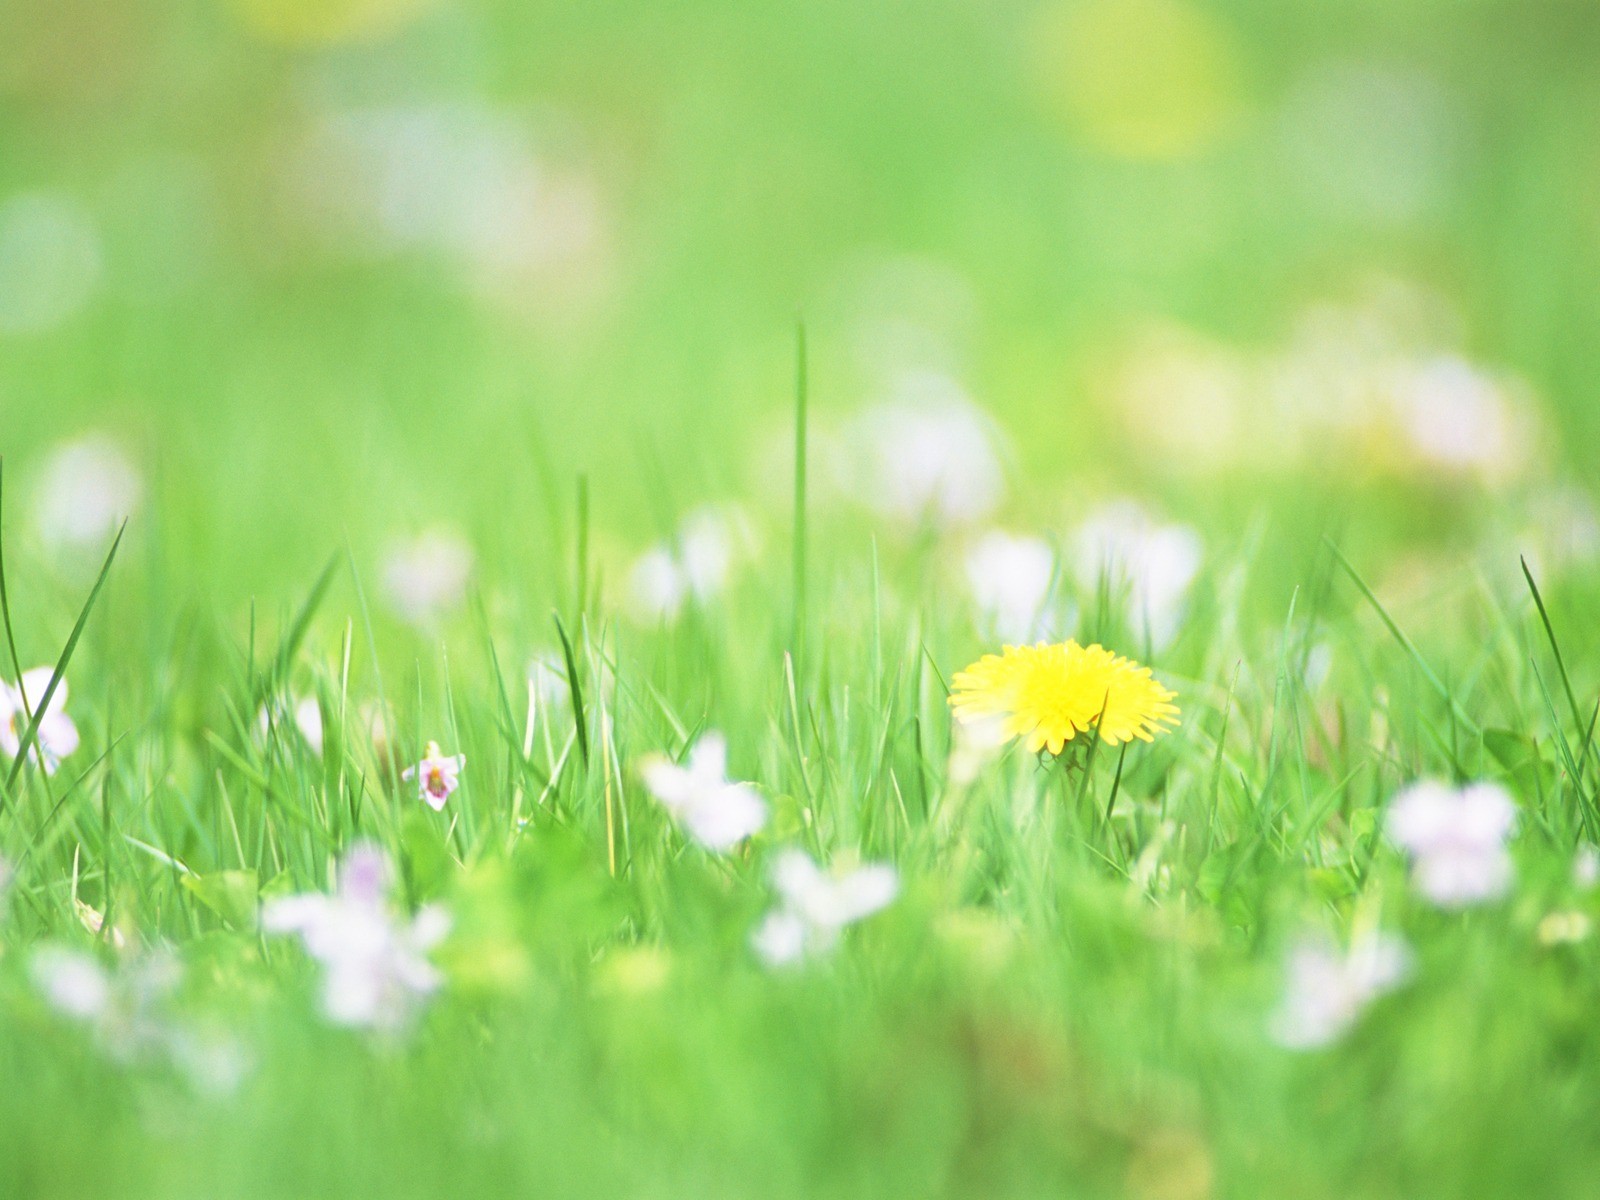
[815, 906]
[927, 453]
[73, 983]
[1456, 840]
[57, 736]
[657, 586]
[695, 564]
[306, 715]
[974, 745]
[1010, 578]
[376, 973]
[437, 775]
[718, 814]
[87, 488]
[427, 576]
[1586, 867]
[1459, 418]
[1152, 564]
[1327, 990]
[123, 1007]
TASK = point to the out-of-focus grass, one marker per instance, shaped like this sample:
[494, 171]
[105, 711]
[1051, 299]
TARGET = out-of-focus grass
[333, 276]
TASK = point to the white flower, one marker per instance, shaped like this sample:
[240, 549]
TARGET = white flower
[57, 737]
[1123, 547]
[694, 564]
[1456, 840]
[1328, 990]
[657, 586]
[1586, 867]
[814, 906]
[88, 487]
[718, 813]
[1459, 418]
[427, 576]
[306, 715]
[7, 874]
[123, 1007]
[927, 453]
[437, 776]
[376, 973]
[1010, 578]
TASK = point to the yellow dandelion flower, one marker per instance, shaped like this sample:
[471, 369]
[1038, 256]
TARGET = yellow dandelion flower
[1048, 694]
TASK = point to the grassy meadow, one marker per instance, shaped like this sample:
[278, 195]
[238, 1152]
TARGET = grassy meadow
[497, 501]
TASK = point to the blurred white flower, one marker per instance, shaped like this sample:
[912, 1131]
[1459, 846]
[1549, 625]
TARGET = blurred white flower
[50, 261]
[1459, 418]
[718, 813]
[1136, 557]
[974, 745]
[814, 906]
[306, 717]
[437, 775]
[694, 565]
[1010, 578]
[548, 690]
[57, 736]
[376, 972]
[7, 875]
[1327, 989]
[123, 1007]
[1586, 867]
[512, 204]
[927, 453]
[86, 489]
[427, 576]
[1456, 840]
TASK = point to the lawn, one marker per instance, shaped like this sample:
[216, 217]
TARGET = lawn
[799, 599]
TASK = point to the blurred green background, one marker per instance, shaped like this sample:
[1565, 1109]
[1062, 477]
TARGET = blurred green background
[348, 268]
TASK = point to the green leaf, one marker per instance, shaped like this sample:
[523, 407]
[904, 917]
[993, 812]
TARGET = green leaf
[232, 895]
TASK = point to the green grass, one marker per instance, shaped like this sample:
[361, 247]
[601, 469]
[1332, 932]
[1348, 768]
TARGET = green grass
[1073, 993]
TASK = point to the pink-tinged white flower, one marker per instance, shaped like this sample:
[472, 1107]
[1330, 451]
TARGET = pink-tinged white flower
[1010, 578]
[718, 814]
[927, 453]
[123, 1006]
[1456, 840]
[86, 489]
[426, 577]
[1459, 418]
[814, 906]
[57, 736]
[376, 972]
[1328, 989]
[305, 715]
[437, 776]
[1138, 558]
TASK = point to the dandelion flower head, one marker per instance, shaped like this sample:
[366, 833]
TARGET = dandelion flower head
[1047, 694]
